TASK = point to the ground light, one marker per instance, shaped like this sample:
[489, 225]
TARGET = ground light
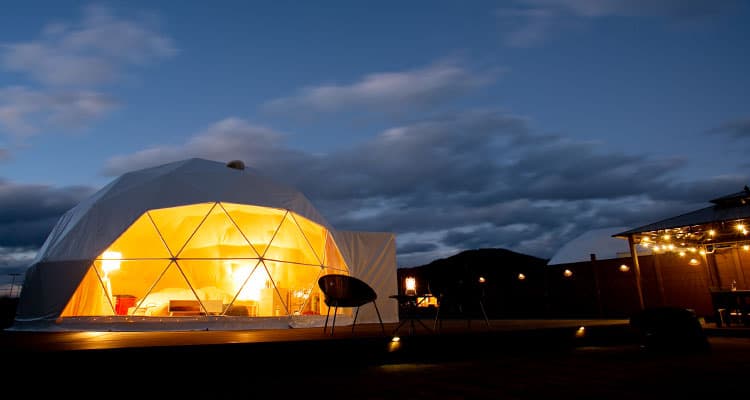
[394, 344]
[581, 332]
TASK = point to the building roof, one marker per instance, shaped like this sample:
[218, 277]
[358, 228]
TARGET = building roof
[732, 207]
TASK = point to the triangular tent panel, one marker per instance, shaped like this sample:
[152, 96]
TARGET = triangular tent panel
[290, 244]
[217, 237]
[177, 225]
[257, 224]
[141, 240]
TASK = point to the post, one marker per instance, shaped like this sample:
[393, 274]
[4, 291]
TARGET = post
[12, 283]
[636, 270]
[596, 284]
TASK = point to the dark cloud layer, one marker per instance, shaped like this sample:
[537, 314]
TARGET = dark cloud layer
[28, 212]
[737, 129]
[466, 180]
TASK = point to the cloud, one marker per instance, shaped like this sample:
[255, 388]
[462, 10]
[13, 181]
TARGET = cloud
[228, 139]
[25, 111]
[632, 8]
[66, 65]
[531, 22]
[90, 52]
[390, 92]
[737, 129]
[472, 179]
[28, 212]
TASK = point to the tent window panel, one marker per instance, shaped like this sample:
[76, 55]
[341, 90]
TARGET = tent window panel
[177, 224]
[129, 280]
[218, 237]
[256, 295]
[171, 296]
[333, 257]
[290, 245]
[315, 234]
[258, 224]
[277, 275]
[298, 286]
[89, 299]
[301, 283]
[140, 240]
[218, 282]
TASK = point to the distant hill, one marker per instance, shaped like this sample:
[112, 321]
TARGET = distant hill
[476, 262]
[514, 283]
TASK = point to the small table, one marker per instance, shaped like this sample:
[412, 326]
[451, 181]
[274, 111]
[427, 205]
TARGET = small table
[409, 303]
[731, 302]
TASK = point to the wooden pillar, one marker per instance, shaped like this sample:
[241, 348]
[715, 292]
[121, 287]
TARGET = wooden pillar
[738, 268]
[636, 270]
[659, 279]
[713, 270]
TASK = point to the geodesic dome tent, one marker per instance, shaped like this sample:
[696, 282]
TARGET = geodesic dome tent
[198, 244]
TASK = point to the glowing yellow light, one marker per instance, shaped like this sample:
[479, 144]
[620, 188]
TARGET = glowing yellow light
[702, 252]
[252, 289]
[567, 273]
[521, 277]
[624, 268]
[666, 237]
[411, 285]
[670, 247]
[692, 250]
[740, 227]
[481, 279]
[646, 239]
[580, 332]
[746, 247]
[111, 261]
[394, 344]
[711, 232]
[682, 254]
[693, 261]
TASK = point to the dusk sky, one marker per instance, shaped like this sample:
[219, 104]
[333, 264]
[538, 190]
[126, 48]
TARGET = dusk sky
[455, 125]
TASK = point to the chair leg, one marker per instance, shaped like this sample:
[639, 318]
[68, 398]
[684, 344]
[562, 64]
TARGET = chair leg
[333, 325]
[486, 320]
[382, 327]
[356, 313]
[437, 319]
[326, 324]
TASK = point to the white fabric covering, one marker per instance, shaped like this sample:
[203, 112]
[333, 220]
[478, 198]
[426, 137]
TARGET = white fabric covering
[83, 232]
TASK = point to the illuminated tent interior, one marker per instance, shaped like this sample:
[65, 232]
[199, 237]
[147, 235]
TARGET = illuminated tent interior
[197, 245]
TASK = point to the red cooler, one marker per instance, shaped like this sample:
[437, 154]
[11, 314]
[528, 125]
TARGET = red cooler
[123, 302]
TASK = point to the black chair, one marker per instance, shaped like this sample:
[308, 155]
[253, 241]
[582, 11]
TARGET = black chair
[462, 296]
[346, 291]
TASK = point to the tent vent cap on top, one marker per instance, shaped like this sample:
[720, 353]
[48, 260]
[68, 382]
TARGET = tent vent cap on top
[236, 164]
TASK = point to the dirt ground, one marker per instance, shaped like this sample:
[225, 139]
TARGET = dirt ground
[616, 371]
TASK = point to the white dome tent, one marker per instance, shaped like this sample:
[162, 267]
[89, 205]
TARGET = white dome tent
[197, 244]
[595, 241]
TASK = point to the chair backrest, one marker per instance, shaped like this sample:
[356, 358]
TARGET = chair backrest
[345, 291]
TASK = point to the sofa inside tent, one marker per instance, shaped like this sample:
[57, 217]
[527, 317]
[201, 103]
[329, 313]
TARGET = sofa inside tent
[197, 244]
